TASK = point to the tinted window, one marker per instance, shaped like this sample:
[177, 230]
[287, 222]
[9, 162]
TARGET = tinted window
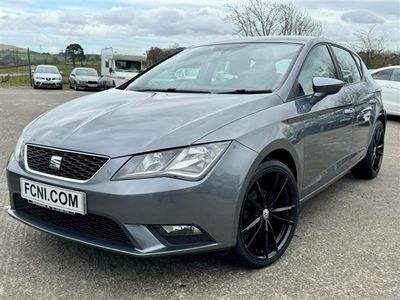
[318, 64]
[383, 75]
[347, 65]
[395, 75]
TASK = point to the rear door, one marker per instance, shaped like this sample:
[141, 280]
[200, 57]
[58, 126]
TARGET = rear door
[328, 123]
[361, 95]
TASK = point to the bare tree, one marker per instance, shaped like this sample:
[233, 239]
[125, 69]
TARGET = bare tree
[264, 17]
[369, 45]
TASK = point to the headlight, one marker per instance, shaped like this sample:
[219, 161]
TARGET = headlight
[19, 152]
[187, 163]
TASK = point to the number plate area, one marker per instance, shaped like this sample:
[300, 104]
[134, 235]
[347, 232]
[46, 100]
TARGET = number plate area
[52, 197]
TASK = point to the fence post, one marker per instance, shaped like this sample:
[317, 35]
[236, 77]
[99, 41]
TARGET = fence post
[30, 70]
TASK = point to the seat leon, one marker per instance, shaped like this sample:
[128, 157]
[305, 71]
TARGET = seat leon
[212, 149]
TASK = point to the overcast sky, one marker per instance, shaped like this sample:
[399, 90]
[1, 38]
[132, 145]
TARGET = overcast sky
[52, 25]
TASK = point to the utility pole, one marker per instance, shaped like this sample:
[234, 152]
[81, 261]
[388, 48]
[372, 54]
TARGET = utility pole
[30, 70]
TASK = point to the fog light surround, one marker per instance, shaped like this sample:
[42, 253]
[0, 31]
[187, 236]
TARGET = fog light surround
[181, 229]
[180, 235]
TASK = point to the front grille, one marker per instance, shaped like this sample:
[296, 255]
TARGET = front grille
[77, 166]
[90, 225]
[92, 82]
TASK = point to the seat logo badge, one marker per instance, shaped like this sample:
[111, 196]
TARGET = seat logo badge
[55, 162]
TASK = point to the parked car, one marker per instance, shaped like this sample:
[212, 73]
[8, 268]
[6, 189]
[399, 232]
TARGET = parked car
[84, 79]
[168, 165]
[389, 79]
[47, 76]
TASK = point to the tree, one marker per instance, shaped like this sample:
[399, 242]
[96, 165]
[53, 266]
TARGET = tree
[369, 45]
[75, 51]
[264, 17]
[155, 54]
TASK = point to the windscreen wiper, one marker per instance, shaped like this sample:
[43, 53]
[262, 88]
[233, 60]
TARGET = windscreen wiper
[172, 90]
[244, 91]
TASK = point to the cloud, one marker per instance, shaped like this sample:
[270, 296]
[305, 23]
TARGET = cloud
[145, 23]
[361, 17]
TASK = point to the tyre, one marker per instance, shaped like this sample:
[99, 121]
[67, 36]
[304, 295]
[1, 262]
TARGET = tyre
[268, 216]
[34, 85]
[370, 165]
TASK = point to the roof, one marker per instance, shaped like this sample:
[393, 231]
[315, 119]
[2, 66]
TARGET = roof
[384, 68]
[271, 39]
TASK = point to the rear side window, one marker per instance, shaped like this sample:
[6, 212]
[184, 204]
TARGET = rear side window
[383, 75]
[395, 75]
[318, 64]
[347, 65]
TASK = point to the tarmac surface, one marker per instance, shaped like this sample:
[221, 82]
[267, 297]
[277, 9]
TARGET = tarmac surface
[347, 243]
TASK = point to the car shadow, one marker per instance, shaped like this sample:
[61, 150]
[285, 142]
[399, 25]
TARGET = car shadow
[393, 118]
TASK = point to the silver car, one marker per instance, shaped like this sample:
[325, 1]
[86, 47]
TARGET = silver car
[219, 160]
[85, 79]
[47, 76]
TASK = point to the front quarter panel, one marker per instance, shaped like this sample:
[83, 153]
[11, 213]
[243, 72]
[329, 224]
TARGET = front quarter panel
[277, 128]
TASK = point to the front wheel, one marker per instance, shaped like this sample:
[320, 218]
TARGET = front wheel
[268, 216]
[370, 165]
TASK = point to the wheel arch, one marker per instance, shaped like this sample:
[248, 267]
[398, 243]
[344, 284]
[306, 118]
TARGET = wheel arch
[382, 118]
[282, 150]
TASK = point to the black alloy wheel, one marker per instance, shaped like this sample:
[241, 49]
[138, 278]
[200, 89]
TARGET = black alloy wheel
[370, 165]
[269, 215]
[377, 146]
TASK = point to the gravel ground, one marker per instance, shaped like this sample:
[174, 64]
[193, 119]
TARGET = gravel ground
[346, 245]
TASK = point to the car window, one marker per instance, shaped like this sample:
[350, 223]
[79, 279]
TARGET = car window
[47, 70]
[383, 75]
[359, 64]
[222, 68]
[347, 65]
[318, 64]
[395, 75]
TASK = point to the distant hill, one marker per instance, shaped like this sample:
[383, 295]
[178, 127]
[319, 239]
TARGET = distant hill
[11, 47]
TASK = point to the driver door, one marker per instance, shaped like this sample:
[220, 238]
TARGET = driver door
[328, 123]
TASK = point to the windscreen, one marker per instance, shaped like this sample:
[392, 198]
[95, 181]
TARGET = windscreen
[127, 66]
[221, 68]
[47, 70]
[86, 72]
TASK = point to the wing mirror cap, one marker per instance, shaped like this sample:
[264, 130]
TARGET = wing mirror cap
[324, 86]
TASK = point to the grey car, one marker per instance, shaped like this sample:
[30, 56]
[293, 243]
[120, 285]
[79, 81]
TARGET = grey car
[216, 161]
[85, 79]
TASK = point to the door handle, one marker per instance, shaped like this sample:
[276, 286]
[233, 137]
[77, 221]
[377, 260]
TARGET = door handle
[348, 111]
[372, 101]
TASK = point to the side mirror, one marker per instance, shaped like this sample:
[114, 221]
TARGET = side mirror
[33, 71]
[72, 75]
[324, 86]
[61, 72]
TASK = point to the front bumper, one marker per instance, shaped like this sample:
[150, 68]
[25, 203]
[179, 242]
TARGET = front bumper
[212, 204]
[90, 86]
[56, 83]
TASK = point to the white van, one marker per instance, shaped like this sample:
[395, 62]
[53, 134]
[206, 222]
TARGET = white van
[120, 65]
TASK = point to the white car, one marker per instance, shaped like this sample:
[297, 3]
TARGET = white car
[389, 79]
[47, 76]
